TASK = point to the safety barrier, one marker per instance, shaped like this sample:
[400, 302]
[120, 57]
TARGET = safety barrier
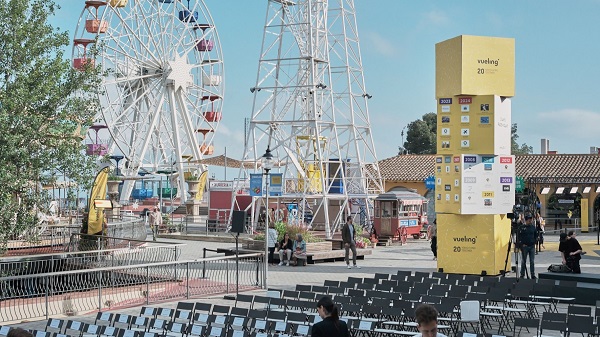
[82, 291]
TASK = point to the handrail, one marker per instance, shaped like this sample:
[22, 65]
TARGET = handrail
[63, 254]
[133, 266]
[79, 291]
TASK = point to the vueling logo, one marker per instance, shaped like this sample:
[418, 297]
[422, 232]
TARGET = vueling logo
[489, 61]
[471, 240]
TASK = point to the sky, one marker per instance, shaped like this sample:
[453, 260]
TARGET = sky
[557, 63]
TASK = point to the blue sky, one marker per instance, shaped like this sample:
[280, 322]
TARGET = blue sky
[557, 64]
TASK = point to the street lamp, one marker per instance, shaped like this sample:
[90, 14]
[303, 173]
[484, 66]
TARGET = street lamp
[267, 165]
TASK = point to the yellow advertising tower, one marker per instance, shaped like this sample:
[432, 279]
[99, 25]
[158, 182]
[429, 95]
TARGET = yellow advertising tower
[475, 171]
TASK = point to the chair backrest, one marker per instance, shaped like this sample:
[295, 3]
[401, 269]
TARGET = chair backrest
[521, 322]
[72, 326]
[54, 325]
[302, 329]
[237, 333]
[553, 326]
[469, 310]
[242, 298]
[109, 331]
[4, 330]
[206, 308]
[581, 324]
[554, 317]
[215, 331]
[242, 312]
[40, 333]
[303, 287]
[379, 276]
[165, 313]
[291, 294]
[139, 321]
[122, 321]
[196, 330]
[330, 283]
[579, 310]
[104, 318]
[148, 312]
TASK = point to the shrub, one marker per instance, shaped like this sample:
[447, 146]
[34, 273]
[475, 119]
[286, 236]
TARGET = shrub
[282, 228]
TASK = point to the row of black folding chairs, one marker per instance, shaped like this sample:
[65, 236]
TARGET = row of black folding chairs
[212, 326]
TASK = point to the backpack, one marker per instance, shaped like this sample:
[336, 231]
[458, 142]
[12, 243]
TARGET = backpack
[559, 268]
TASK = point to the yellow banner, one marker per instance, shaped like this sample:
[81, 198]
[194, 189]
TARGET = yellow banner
[202, 186]
[96, 215]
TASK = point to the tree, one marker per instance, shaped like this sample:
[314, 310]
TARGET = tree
[45, 109]
[515, 148]
[421, 135]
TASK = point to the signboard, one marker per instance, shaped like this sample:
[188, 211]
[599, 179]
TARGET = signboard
[488, 184]
[519, 184]
[256, 185]
[430, 182]
[275, 184]
[487, 132]
[102, 203]
[220, 185]
[477, 184]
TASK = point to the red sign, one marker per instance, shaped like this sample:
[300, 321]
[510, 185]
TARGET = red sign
[505, 160]
[457, 159]
[465, 100]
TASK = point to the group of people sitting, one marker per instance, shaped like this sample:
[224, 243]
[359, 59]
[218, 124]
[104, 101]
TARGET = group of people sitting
[294, 251]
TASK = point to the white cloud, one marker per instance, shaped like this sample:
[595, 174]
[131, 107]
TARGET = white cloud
[435, 17]
[382, 45]
[569, 130]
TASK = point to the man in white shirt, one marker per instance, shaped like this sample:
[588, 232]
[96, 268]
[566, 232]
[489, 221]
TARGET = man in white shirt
[426, 316]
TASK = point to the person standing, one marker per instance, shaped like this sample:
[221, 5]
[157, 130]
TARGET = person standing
[155, 221]
[426, 316]
[349, 239]
[432, 234]
[285, 248]
[526, 242]
[539, 228]
[271, 242]
[331, 325]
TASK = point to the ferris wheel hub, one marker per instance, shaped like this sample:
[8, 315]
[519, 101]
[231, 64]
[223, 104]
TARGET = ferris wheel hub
[178, 73]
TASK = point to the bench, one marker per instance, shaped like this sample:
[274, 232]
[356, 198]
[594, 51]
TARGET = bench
[311, 257]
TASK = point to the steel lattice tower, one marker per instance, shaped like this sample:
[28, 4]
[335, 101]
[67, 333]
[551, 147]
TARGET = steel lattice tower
[327, 157]
[363, 179]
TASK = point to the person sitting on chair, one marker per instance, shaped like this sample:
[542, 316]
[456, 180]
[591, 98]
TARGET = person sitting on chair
[299, 250]
[285, 249]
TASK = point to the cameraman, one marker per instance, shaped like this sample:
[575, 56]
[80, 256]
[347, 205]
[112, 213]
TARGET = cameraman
[526, 242]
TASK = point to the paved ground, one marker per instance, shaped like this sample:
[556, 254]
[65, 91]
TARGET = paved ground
[415, 256]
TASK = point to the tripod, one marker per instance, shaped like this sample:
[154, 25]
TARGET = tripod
[510, 244]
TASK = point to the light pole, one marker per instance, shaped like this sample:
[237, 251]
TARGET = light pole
[267, 165]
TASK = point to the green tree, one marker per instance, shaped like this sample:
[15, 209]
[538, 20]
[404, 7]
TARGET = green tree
[45, 109]
[515, 148]
[421, 135]
[431, 119]
[419, 138]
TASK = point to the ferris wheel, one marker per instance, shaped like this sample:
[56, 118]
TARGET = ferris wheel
[162, 91]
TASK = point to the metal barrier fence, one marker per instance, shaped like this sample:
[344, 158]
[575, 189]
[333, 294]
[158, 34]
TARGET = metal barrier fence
[48, 263]
[55, 238]
[82, 291]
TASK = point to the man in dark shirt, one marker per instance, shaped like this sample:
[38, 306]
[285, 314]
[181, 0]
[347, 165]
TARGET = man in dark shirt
[526, 243]
[572, 253]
